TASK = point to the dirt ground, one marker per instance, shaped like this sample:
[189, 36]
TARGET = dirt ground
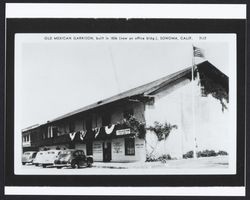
[216, 164]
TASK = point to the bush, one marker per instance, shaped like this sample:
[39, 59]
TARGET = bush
[162, 158]
[135, 125]
[222, 153]
[189, 154]
[162, 130]
[150, 159]
[206, 153]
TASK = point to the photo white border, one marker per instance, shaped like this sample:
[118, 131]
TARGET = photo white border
[176, 11]
[14, 10]
[128, 191]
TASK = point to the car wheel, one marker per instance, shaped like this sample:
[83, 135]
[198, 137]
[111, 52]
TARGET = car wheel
[74, 165]
[44, 166]
[23, 163]
[58, 167]
[36, 164]
[89, 164]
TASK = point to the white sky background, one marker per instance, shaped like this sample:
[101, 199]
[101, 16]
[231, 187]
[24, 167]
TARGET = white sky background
[59, 77]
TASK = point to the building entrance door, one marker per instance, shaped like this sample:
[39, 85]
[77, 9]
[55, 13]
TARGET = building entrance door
[106, 151]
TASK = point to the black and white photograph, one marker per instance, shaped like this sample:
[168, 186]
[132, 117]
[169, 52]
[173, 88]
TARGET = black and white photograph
[125, 103]
[142, 99]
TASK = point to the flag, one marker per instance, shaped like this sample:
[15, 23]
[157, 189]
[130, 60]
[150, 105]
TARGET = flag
[96, 131]
[82, 134]
[197, 52]
[72, 136]
[109, 130]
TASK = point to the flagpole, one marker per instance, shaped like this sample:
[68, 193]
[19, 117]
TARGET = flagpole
[182, 125]
[193, 104]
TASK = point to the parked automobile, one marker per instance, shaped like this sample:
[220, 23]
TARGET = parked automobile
[40, 156]
[28, 157]
[49, 157]
[73, 158]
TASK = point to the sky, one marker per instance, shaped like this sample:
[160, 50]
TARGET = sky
[55, 78]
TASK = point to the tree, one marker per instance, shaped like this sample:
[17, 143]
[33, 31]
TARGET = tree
[162, 132]
[135, 125]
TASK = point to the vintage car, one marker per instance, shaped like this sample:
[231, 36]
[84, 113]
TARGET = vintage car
[49, 157]
[40, 157]
[73, 158]
[28, 157]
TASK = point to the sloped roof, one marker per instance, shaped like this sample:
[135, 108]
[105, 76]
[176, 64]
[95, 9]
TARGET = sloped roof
[129, 93]
[30, 127]
[150, 87]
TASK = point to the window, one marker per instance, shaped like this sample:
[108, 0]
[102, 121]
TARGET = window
[106, 119]
[129, 146]
[94, 118]
[78, 153]
[89, 148]
[127, 113]
[50, 132]
[88, 123]
[65, 128]
[59, 131]
[71, 126]
[55, 131]
[26, 138]
[48, 136]
[83, 125]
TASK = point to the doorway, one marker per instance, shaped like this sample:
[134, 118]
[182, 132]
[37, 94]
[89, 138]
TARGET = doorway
[106, 151]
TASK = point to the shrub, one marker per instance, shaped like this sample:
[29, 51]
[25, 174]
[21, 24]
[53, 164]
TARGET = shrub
[162, 130]
[222, 153]
[189, 154]
[206, 153]
[135, 125]
[150, 158]
[162, 158]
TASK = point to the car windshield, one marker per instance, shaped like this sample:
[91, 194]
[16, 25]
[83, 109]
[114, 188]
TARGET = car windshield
[64, 154]
[40, 154]
[78, 153]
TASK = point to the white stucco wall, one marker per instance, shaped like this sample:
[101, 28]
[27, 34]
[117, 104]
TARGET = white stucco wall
[118, 151]
[211, 124]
